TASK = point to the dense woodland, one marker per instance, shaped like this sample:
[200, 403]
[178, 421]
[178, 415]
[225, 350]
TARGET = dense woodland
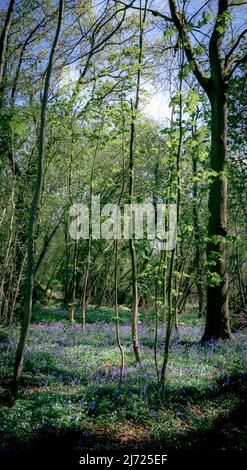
[116, 341]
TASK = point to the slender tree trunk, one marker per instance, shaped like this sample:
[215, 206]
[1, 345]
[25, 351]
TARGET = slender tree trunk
[4, 37]
[74, 278]
[169, 320]
[2, 218]
[178, 189]
[164, 271]
[172, 303]
[134, 109]
[67, 253]
[156, 331]
[135, 296]
[217, 320]
[120, 347]
[198, 250]
[239, 273]
[34, 211]
[8, 299]
[8, 251]
[17, 289]
[84, 300]
[117, 242]
[134, 322]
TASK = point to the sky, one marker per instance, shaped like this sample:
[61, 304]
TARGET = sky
[156, 104]
[157, 107]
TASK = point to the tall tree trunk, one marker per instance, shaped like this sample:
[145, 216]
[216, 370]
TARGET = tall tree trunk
[217, 320]
[85, 297]
[215, 86]
[241, 288]
[134, 322]
[74, 278]
[135, 296]
[156, 326]
[198, 250]
[4, 37]
[164, 271]
[17, 289]
[134, 109]
[117, 242]
[120, 347]
[172, 302]
[67, 256]
[170, 320]
[34, 212]
[9, 248]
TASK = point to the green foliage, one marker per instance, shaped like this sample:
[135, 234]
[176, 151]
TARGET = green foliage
[18, 125]
[213, 278]
[223, 21]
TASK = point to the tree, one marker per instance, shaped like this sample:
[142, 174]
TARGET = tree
[35, 208]
[134, 109]
[216, 87]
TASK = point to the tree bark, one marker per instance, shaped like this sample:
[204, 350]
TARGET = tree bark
[217, 320]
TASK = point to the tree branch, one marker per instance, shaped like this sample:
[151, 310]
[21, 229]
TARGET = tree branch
[235, 45]
[189, 51]
[216, 66]
[237, 63]
[149, 10]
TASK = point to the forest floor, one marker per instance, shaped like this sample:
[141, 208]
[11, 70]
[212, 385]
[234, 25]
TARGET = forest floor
[71, 396]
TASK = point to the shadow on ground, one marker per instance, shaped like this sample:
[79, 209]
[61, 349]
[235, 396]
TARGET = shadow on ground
[224, 439]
